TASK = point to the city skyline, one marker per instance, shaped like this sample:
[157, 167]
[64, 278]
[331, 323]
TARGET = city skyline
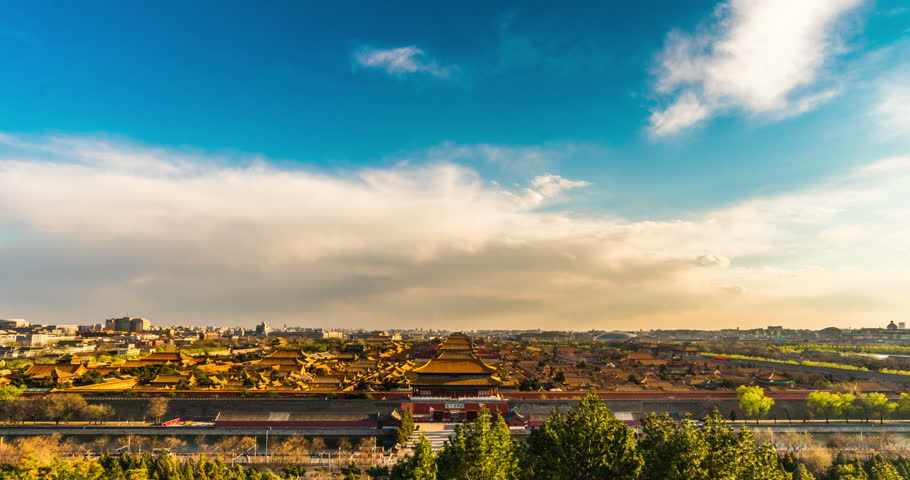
[669, 165]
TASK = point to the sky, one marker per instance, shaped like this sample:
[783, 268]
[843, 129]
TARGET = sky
[473, 165]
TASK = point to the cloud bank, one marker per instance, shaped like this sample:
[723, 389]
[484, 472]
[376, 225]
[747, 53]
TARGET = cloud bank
[91, 228]
[761, 57]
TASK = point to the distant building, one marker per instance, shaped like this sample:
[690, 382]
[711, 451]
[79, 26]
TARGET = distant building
[263, 329]
[65, 329]
[891, 326]
[140, 325]
[128, 324]
[315, 334]
[615, 336]
[33, 339]
[545, 337]
[13, 323]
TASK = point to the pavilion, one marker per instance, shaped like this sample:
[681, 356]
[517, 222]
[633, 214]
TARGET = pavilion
[455, 384]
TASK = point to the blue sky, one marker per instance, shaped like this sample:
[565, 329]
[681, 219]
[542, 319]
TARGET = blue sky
[592, 116]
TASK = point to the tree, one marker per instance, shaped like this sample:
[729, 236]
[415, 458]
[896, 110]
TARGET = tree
[11, 404]
[585, 443]
[845, 405]
[530, 385]
[826, 404]
[63, 407]
[876, 404]
[406, 428]
[91, 377]
[683, 451]
[482, 448]
[10, 392]
[98, 412]
[903, 403]
[850, 471]
[419, 466]
[157, 408]
[801, 473]
[753, 401]
[882, 470]
[560, 377]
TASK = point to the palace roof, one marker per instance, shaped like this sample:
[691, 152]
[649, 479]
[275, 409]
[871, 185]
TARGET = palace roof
[55, 371]
[456, 382]
[450, 366]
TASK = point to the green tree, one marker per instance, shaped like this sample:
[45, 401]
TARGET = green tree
[801, 473]
[753, 401]
[586, 443]
[826, 404]
[683, 451]
[672, 451]
[481, 449]
[850, 471]
[876, 404]
[406, 428]
[903, 403]
[560, 377]
[883, 470]
[91, 377]
[419, 466]
[11, 392]
[845, 405]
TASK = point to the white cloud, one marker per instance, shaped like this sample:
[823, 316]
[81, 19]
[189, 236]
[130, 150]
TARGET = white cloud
[102, 228]
[893, 107]
[685, 112]
[402, 61]
[758, 56]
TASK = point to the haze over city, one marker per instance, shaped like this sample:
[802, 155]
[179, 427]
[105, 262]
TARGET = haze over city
[661, 165]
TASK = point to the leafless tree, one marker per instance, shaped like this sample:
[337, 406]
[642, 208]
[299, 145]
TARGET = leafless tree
[98, 412]
[158, 408]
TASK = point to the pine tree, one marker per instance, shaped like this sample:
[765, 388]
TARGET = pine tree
[420, 466]
[586, 443]
[802, 473]
[481, 449]
[883, 470]
[406, 428]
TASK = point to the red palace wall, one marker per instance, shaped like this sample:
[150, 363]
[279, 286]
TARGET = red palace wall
[298, 424]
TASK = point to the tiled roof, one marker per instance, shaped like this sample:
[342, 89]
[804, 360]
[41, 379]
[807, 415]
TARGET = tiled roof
[285, 354]
[167, 356]
[641, 356]
[449, 366]
[168, 378]
[55, 370]
[456, 382]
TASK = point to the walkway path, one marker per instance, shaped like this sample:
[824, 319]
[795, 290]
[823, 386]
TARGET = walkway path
[437, 433]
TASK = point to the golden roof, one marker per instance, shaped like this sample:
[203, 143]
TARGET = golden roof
[470, 366]
[457, 382]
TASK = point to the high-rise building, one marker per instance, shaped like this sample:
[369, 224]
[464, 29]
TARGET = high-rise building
[13, 323]
[140, 325]
[262, 329]
[127, 324]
